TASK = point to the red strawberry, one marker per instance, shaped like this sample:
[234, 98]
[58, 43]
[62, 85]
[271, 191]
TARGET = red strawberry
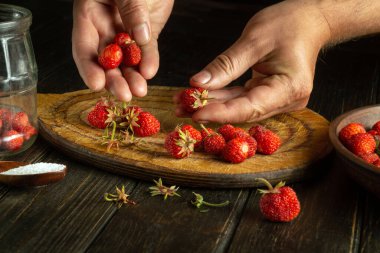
[240, 132]
[252, 143]
[110, 57]
[205, 133]
[179, 144]
[134, 108]
[214, 143]
[267, 141]
[370, 158]
[362, 143]
[147, 125]
[98, 116]
[227, 131]
[131, 54]
[348, 131]
[194, 133]
[236, 150]
[19, 121]
[280, 203]
[376, 126]
[373, 132]
[12, 140]
[193, 99]
[122, 38]
[1, 125]
[5, 117]
[377, 163]
[28, 131]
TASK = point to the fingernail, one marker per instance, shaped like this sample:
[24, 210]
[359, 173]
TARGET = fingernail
[202, 77]
[202, 122]
[141, 34]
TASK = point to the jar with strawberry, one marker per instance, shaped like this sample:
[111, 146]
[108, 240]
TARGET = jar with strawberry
[18, 81]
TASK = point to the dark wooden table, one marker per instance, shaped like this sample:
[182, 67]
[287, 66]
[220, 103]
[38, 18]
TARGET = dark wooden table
[70, 216]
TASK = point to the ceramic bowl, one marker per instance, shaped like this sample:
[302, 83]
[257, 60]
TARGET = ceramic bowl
[364, 173]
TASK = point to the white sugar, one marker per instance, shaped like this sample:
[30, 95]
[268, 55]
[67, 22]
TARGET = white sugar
[36, 168]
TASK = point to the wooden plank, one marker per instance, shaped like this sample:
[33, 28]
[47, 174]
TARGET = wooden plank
[304, 137]
[327, 222]
[370, 235]
[174, 225]
[62, 217]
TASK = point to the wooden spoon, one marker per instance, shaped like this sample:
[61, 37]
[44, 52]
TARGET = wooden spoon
[26, 180]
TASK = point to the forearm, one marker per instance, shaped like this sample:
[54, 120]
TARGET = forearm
[350, 18]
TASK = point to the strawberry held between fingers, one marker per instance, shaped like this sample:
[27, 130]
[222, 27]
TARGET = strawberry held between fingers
[131, 54]
[279, 204]
[192, 99]
[122, 38]
[110, 57]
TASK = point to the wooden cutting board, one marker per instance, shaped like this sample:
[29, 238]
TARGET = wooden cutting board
[304, 135]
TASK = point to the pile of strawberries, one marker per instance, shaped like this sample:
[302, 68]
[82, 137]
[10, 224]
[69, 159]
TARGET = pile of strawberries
[121, 121]
[123, 50]
[15, 129]
[361, 142]
[233, 144]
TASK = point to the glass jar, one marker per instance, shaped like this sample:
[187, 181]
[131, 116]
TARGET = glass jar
[18, 81]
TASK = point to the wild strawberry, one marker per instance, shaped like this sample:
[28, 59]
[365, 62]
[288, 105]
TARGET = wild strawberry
[121, 39]
[227, 131]
[370, 158]
[193, 99]
[361, 144]
[147, 125]
[12, 140]
[206, 131]
[214, 143]
[267, 141]
[376, 126]
[5, 117]
[252, 144]
[377, 163]
[110, 57]
[349, 130]
[280, 203]
[28, 131]
[194, 133]
[373, 132]
[98, 116]
[236, 150]
[240, 132]
[134, 108]
[179, 144]
[131, 54]
[19, 121]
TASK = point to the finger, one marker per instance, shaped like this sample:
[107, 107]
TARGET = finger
[150, 59]
[135, 17]
[262, 101]
[227, 66]
[137, 84]
[85, 41]
[117, 85]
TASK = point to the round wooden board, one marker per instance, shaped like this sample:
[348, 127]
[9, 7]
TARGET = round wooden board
[304, 135]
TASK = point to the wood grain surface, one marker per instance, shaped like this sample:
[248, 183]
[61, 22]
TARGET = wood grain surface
[304, 135]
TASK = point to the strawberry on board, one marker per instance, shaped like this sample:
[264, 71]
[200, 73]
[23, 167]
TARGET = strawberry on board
[227, 131]
[206, 131]
[98, 116]
[194, 133]
[12, 140]
[110, 57]
[192, 99]
[267, 141]
[348, 131]
[131, 54]
[179, 144]
[122, 38]
[146, 125]
[213, 143]
[279, 204]
[236, 150]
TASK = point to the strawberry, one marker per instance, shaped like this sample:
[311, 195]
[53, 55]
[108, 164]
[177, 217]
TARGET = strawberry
[349, 130]
[373, 132]
[240, 132]
[147, 125]
[377, 163]
[376, 126]
[179, 144]
[5, 117]
[98, 116]
[131, 54]
[193, 99]
[267, 141]
[252, 144]
[370, 158]
[206, 132]
[236, 150]
[361, 144]
[19, 121]
[12, 140]
[227, 131]
[110, 57]
[121, 39]
[134, 108]
[28, 131]
[195, 134]
[279, 204]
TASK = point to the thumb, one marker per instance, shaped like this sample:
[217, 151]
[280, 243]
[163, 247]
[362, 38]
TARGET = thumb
[135, 17]
[226, 67]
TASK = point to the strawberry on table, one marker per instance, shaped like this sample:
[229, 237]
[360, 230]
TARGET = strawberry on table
[146, 125]
[279, 204]
[267, 141]
[236, 150]
[192, 99]
[110, 57]
[179, 144]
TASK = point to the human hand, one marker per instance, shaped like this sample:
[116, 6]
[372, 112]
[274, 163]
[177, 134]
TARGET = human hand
[280, 44]
[95, 24]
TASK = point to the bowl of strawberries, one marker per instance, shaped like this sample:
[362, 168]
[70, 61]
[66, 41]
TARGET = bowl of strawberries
[355, 136]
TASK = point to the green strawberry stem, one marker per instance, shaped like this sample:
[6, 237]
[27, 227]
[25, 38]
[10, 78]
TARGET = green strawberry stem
[113, 130]
[204, 128]
[216, 205]
[276, 189]
[266, 182]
